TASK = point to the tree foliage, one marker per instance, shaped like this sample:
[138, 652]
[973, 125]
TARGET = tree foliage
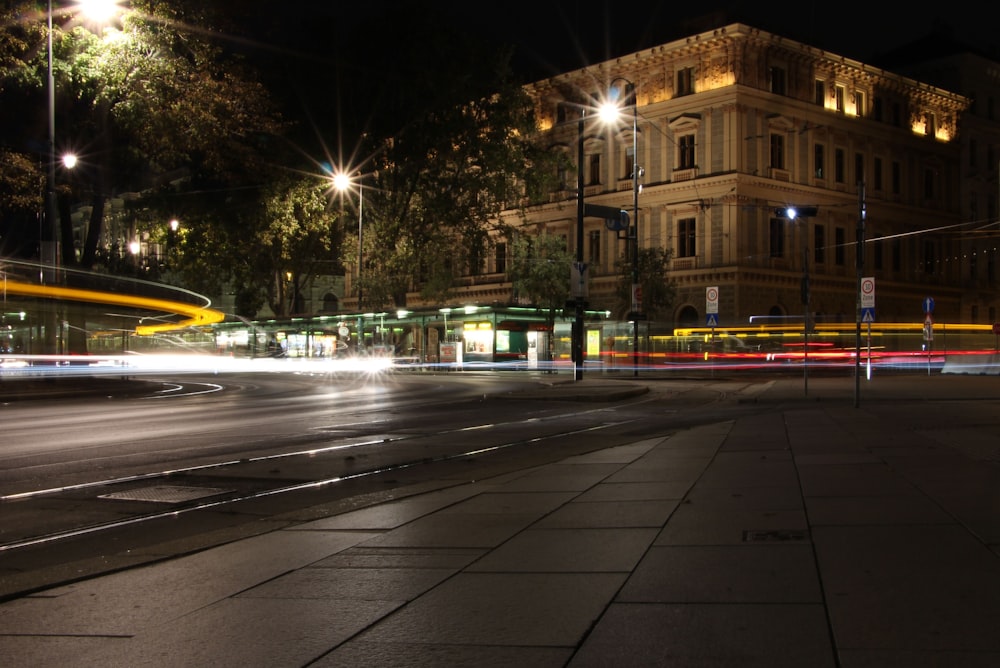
[151, 106]
[464, 154]
[540, 271]
[658, 290]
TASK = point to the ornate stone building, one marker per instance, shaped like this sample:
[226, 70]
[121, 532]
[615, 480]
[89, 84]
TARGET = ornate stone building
[736, 123]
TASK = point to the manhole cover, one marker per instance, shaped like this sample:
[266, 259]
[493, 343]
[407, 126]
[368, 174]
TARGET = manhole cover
[774, 535]
[164, 493]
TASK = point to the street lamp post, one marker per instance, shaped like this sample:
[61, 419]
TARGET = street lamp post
[577, 334]
[50, 256]
[342, 182]
[793, 213]
[612, 108]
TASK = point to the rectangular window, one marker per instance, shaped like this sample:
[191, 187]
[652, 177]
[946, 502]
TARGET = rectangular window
[776, 241]
[819, 244]
[561, 115]
[929, 183]
[877, 175]
[777, 150]
[859, 103]
[777, 80]
[877, 108]
[594, 256]
[685, 152]
[859, 168]
[897, 255]
[818, 160]
[819, 92]
[877, 254]
[896, 178]
[501, 258]
[897, 114]
[972, 152]
[838, 165]
[595, 169]
[839, 93]
[839, 237]
[685, 81]
[629, 161]
[686, 237]
[475, 260]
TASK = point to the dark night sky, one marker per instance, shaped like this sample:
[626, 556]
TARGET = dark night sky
[333, 42]
[553, 37]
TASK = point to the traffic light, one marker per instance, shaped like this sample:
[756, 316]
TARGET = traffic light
[793, 212]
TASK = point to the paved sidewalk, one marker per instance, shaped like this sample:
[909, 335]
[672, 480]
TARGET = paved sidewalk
[807, 534]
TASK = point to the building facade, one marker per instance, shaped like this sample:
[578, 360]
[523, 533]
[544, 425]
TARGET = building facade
[734, 124]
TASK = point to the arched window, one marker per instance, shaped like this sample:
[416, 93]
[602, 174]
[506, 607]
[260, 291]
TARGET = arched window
[331, 304]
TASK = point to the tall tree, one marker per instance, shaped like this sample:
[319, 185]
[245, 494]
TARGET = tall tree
[540, 272]
[464, 153]
[658, 289]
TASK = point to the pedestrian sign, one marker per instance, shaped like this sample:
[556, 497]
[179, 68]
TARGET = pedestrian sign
[712, 320]
[868, 314]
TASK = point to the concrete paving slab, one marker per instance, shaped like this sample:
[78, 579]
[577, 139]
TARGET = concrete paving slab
[926, 587]
[396, 585]
[569, 550]
[162, 592]
[632, 635]
[425, 655]
[635, 491]
[758, 573]
[609, 514]
[468, 530]
[403, 557]
[518, 503]
[869, 510]
[489, 609]
[714, 525]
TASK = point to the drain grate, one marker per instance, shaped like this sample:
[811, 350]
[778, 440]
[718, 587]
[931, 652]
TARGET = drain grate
[164, 493]
[774, 535]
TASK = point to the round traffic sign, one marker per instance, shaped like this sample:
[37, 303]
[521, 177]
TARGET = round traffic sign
[867, 286]
[712, 294]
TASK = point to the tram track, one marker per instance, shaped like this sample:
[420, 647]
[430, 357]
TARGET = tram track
[231, 482]
[84, 526]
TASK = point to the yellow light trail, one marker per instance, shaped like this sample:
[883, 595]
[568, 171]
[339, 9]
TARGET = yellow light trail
[196, 315]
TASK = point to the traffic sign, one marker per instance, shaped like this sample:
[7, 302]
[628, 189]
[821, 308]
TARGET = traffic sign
[868, 314]
[637, 297]
[928, 305]
[712, 320]
[868, 292]
[712, 300]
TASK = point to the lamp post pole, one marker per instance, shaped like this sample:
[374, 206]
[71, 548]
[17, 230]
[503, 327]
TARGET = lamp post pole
[803, 213]
[611, 109]
[342, 182]
[577, 338]
[361, 257]
[636, 294]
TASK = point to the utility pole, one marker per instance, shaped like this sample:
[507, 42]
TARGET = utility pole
[859, 263]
